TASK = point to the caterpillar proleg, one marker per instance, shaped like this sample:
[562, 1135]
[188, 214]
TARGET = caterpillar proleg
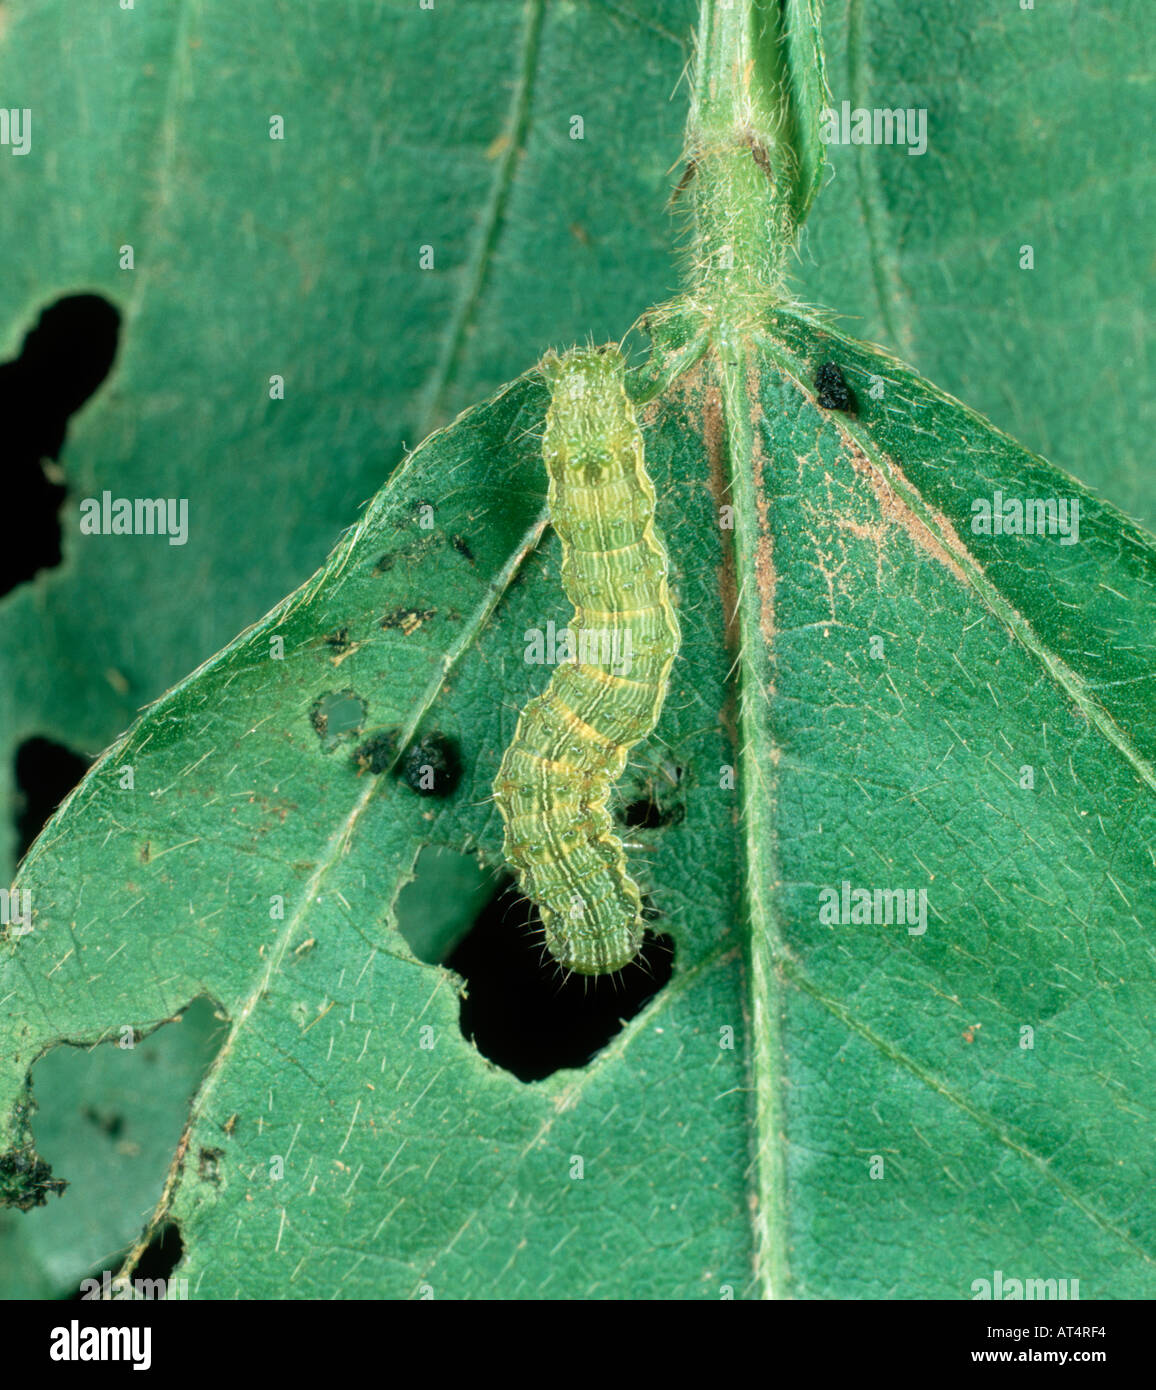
[572, 742]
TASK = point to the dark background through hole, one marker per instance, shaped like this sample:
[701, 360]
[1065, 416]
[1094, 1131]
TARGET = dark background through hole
[158, 1261]
[521, 1014]
[64, 359]
[45, 773]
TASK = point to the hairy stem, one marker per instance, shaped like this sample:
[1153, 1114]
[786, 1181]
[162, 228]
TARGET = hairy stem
[753, 144]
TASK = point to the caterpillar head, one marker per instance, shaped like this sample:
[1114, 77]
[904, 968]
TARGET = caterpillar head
[588, 431]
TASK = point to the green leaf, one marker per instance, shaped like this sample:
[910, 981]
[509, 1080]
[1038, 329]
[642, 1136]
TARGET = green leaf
[869, 693]
[968, 716]
[150, 128]
[110, 1118]
[299, 258]
[901, 770]
[326, 1001]
[1032, 125]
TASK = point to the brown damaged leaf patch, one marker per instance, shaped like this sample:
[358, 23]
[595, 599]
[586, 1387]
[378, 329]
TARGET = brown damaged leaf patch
[714, 438]
[766, 575]
[897, 511]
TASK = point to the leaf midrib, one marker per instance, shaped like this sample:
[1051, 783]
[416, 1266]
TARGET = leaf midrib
[756, 758]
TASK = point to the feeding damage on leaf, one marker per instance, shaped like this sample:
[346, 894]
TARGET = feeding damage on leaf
[26, 1181]
[336, 716]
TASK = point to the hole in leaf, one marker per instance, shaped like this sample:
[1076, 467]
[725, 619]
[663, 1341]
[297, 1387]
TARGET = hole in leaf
[657, 802]
[337, 715]
[109, 1120]
[522, 1014]
[437, 908]
[45, 773]
[62, 362]
[648, 814]
[162, 1254]
[149, 1279]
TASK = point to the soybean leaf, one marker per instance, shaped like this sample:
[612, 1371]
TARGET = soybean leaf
[897, 675]
[318, 280]
[851, 632]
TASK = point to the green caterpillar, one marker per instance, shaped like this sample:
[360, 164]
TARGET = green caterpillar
[572, 741]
